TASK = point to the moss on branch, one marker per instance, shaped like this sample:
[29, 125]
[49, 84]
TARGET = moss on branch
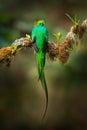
[60, 50]
[7, 53]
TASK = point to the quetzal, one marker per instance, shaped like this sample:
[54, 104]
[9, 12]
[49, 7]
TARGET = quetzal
[39, 36]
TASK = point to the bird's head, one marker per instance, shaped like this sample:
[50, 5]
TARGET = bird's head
[39, 22]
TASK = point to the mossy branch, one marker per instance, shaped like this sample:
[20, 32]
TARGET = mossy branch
[60, 50]
[7, 53]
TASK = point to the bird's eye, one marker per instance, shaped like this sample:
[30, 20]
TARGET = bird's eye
[42, 24]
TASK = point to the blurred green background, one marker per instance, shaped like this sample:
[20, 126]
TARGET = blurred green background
[22, 99]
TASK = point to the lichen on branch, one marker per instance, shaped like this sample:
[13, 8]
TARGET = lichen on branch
[60, 50]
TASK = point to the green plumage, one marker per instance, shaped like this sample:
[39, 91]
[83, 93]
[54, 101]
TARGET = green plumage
[40, 38]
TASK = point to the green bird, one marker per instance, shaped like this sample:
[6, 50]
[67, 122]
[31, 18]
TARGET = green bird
[39, 36]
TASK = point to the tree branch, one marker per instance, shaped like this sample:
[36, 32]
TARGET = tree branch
[7, 53]
[60, 50]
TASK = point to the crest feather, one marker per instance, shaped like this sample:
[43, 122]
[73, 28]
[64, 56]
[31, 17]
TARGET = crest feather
[39, 22]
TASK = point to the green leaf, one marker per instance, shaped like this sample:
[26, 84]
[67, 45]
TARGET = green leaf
[74, 20]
